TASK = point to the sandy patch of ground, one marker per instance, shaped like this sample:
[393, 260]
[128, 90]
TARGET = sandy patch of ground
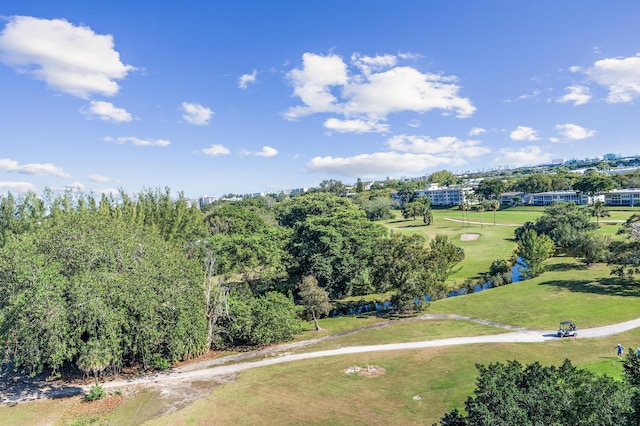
[469, 237]
[368, 371]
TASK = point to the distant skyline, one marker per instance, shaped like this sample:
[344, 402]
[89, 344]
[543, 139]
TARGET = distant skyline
[213, 97]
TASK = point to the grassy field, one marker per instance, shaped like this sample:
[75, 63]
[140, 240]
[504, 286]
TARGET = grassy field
[414, 386]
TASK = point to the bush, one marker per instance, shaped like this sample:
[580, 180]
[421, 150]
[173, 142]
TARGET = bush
[95, 393]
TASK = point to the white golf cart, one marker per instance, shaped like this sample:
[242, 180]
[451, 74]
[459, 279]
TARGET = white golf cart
[567, 329]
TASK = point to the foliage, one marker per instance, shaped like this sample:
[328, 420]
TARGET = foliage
[510, 394]
[244, 242]
[490, 189]
[98, 292]
[562, 222]
[592, 247]
[444, 178]
[534, 183]
[593, 184]
[260, 320]
[624, 257]
[534, 249]
[377, 208]
[314, 299]
[403, 263]
[331, 240]
[96, 392]
[598, 210]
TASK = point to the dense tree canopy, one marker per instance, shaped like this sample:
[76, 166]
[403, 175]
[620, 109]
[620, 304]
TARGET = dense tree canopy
[510, 394]
[97, 292]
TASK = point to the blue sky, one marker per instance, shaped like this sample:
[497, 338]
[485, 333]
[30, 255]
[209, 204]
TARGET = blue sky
[216, 97]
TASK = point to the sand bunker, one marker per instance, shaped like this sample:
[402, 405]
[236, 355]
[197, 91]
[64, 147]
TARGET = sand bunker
[469, 237]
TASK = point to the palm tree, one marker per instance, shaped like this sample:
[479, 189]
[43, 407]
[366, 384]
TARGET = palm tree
[481, 208]
[599, 210]
[464, 206]
[494, 205]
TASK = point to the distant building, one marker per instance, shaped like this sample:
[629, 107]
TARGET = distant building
[203, 201]
[445, 196]
[611, 156]
[509, 198]
[623, 197]
[546, 198]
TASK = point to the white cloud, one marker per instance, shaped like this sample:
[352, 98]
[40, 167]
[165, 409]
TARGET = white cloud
[106, 111]
[621, 76]
[477, 131]
[196, 113]
[377, 164]
[18, 186]
[216, 149]
[137, 141]
[579, 95]
[68, 58]
[47, 169]
[313, 82]
[574, 132]
[414, 123]
[99, 178]
[369, 64]
[444, 145]
[523, 133]
[407, 154]
[246, 79]
[75, 186]
[355, 126]
[267, 151]
[529, 155]
[376, 88]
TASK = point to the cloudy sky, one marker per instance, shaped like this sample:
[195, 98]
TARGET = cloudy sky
[217, 97]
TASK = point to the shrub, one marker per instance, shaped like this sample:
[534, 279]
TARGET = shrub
[95, 393]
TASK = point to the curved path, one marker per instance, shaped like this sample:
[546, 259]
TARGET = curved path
[206, 370]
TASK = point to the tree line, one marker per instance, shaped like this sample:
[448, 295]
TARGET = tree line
[99, 284]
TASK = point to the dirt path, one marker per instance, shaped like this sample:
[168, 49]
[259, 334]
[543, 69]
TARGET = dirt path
[222, 369]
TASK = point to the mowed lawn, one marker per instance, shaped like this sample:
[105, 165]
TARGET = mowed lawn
[414, 386]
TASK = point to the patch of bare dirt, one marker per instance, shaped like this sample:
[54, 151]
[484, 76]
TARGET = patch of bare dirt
[469, 237]
[368, 371]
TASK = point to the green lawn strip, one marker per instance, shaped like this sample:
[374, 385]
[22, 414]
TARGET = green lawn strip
[318, 391]
[590, 296]
[413, 330]
[35, 413]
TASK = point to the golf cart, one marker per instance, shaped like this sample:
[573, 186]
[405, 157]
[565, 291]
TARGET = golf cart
[567, 329]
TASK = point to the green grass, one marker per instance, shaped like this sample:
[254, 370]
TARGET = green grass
[318, 392]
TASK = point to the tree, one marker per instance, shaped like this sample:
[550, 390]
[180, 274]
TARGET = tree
[377, 208]
[314, 299]
[534, 249]
[510, 394]
[598, 210]
[493, 205]
[624, 255]
[443, 177]
[563, 222]
[401, 264]
[594, 184]
[99, 293]
[533, 183]
[481, 208]
[490, 189]
[464, 207]
[412, 209]
[256, 320]
[331, 240]
[592, 247]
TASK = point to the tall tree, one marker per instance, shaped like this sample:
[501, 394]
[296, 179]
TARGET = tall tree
[623, 257]
[594, 184]
[598, 210]
[490, 189]
[314, 299]
[534, 249]
[510, 394]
